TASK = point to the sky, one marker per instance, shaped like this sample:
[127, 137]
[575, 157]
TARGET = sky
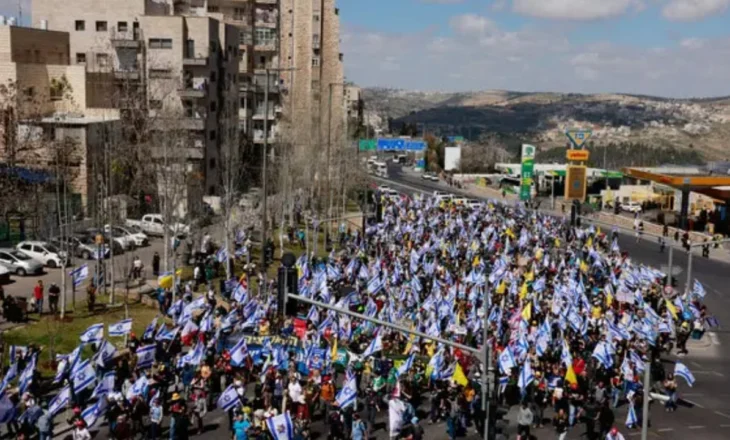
[673, 48]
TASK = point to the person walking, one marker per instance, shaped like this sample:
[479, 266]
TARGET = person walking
[560, 422]
[524, 420]
[45, 426]
[156, 264]
[38, 296]
[155, 419]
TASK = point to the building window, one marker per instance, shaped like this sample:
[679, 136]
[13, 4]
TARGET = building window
[213, 107]
[30, 92]
[122, 26]
[315, 61]
[315, 40]
[342, 56]
[80, 25]
[265, 36]
[213, 9]
[80, 58]
[102, 59]
[211, 135]
[212, 77]
[101, 26]
[315, 18]
[160, 43]
[212, 163]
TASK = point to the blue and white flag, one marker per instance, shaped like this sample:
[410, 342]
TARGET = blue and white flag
[195, 356]
[7, 408]
[106, 352]
[374, 285]
[229, 399]
[121, 328]
[84, 377]
[698, 290]
[138, 388]
[17, 350]
[92, 413]
[74, 360]
[145, 356]
[92, 334]
[631, 419]
[526, 376]
[149, 332]
[11, 374]
[239, 353]
[506, 361]
[58, 403]
[682, 371]
[407, 365]
[79, 275]
[313, 315]
[105, 385]
[222, 255]
[347, 394]
[26, 377]
[602, 355]
[281, 427]
[375, 346]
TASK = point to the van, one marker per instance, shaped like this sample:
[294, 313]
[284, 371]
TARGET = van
[381, 169]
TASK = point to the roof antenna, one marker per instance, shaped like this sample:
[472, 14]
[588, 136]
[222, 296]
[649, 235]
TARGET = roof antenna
[20, 12]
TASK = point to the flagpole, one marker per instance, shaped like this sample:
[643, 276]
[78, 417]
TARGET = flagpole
[487, 368]
[645, 403]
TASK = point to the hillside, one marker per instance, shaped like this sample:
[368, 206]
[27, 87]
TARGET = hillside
[542, 118]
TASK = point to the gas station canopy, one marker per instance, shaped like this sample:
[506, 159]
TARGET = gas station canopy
[686, 178]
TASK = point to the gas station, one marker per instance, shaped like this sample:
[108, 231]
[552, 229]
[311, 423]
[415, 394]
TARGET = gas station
[686, 180]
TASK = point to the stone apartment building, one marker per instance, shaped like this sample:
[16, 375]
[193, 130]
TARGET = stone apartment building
[168, 57]
[44, 102]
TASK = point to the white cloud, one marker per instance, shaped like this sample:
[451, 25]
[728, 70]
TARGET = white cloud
[574, 9]
[691, 10]
[479, 56]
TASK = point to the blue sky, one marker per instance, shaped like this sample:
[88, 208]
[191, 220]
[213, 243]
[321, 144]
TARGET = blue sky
[664, 47]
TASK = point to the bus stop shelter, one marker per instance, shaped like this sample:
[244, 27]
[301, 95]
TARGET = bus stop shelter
[686, 180]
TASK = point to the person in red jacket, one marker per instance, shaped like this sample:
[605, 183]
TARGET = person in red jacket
[38, 295]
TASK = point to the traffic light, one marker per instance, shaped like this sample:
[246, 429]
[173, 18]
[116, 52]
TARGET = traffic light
[497, 426]
[287, 284]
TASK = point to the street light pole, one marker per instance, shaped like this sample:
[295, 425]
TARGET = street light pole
[328, 226]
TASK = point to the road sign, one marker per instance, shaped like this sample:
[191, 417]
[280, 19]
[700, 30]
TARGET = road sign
[368, 145]
[578, 136]
[455, 139]
[415, 145]
[575, 183]
[527, 172]
[578, 155]
[389, 144]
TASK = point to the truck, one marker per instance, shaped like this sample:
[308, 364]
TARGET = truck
[154, 224]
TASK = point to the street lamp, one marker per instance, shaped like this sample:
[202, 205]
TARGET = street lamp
[329, 168]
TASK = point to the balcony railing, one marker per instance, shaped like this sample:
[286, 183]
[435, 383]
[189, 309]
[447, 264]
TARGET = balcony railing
[126, 38]
[258, 135]
[191, 59]
[127, 74]
[193, 120]
[195, 88]
[266, 45]
[259, 114]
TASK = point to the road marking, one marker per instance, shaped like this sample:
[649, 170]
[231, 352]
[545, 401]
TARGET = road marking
[633, 434]
[693, 403]
[696, 427]
[693, 394]
[725, 426]
[664, 430]
[708, 372]
[722, 414]
[718, 374]
[696, 364]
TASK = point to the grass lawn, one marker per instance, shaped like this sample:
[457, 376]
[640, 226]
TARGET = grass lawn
[55, 336]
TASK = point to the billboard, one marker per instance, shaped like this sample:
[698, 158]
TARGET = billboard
[578, 155]
[575, 183]
[452, 158]
[527, 171]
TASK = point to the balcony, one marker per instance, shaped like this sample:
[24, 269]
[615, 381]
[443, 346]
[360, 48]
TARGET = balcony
[258, 136]
[194, 122]
[194, 60]
[266, 2]
[126, 39]
[265, 18]
[259, 113]
[127, 74]
[194, 88]
[266, 45]
[244, 113]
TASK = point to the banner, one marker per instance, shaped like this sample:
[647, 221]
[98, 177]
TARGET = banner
[575, 183]
[528, 166]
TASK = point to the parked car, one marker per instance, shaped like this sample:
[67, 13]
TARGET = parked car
[20, 263]
[430, 176]
[460, 200]
[474, 203]
[118, 244]
[631, 207]
[135, 236]
[154, 224]
[44, 252]
[82, 246]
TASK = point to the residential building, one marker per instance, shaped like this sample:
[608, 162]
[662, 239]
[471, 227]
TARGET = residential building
[354, 108]
[310, 46]
[172, 59]
[44, 102]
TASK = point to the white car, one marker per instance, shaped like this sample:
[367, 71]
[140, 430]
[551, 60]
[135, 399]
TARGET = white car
[442, 196]
[130, 237]
[44, 252]
[430, 176]
[474, 203]
[631, 207]
[460, 201]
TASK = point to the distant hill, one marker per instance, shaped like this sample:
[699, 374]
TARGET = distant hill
[542, 118]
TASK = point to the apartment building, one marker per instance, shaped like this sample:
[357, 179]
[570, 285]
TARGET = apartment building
[310, 45]
[354, 108]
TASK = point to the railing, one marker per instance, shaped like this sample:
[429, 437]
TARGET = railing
[194, 88]
[126, 38]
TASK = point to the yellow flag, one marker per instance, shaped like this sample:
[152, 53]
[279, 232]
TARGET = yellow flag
[476, 261]
[672, 308]
[430, 348]
[583, 266]
[334, 349]
[527, 312]
[598, 231]
[501, 288]
[523, 290]
[570, 376]
[459, 376]
[609, 299]
[530, 276]
[510, 233]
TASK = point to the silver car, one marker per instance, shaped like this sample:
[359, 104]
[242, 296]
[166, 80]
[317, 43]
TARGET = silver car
[20, 263]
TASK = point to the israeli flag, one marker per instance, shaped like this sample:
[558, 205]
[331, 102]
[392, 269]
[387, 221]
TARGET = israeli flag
[11, 374]
[631, 419]
[407, 365]
[92, 334]
[194, 357]
[526, 376]
[374, 347]
[92, 413]
[239, 353]
[17, 350]
[206, 324]
[138, 388]
[698, 290]
[166, 334]
[7, 408]
[149, 332]
[105, 385]
[105, 353]
[682, 371]
[222, 255]
[79, 275]
[281, 427]
[602, 355]
[84, 377]
[176, 308]
[229, 399]
[313, 315]
[26, 377]
[121, 328]
[145, 356]
[347, 394]
[59, 402]
[374, 285]
[506, 361]
[240, 294]
[74, 360]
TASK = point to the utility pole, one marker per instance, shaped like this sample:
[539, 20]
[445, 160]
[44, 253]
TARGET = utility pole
[329, 168]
